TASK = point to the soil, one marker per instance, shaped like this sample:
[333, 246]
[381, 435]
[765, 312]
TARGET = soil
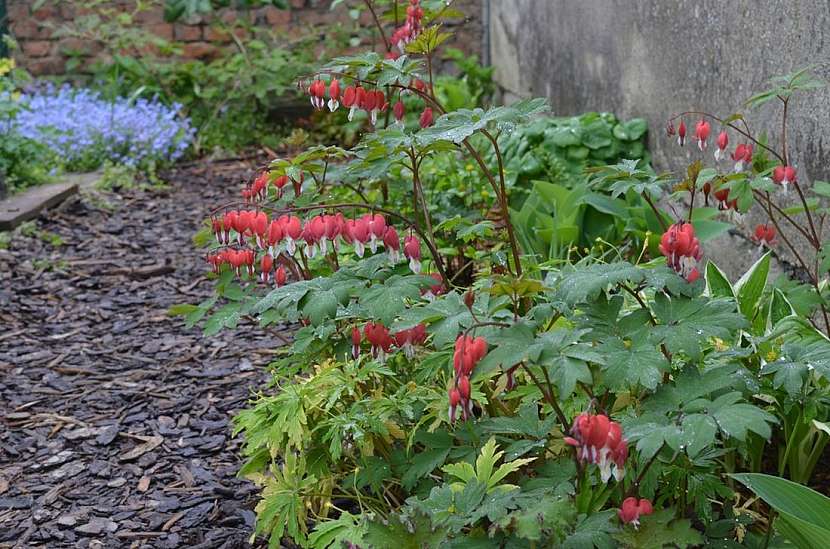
[116, 419]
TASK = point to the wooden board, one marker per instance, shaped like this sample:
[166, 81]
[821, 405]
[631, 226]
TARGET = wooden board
[28, 204]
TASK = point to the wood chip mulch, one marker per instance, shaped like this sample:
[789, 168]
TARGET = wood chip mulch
[115, 419]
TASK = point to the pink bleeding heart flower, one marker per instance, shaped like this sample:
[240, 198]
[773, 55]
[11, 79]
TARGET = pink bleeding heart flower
[280, 276]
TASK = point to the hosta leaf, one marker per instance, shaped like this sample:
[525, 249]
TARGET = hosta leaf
[717, 283]
[804, 513]
[750, 286]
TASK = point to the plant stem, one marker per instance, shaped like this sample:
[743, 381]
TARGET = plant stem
[656, 212]
[505, 210]
[386, 43]
[550, 398]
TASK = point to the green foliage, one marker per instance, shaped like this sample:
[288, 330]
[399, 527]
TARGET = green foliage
[559, 149]
[236, 98]
[23, 162]
[803, 514]
[362, 440]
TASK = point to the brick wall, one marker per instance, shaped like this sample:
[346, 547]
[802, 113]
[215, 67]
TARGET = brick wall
[44, 52]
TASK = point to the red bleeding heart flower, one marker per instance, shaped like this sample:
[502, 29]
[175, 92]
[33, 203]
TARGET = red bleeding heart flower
[317, 91]
[407, 32]
[412, 251]
[455, 400]
[681, 134]
[722, 142]
[783, 175]
[356, 232]
[702, 130]
[408, 339]
[439, 288]
[632, 509]
[356, 342]
[265, 266]
[742, 156]
[392, 242]
[334, 95]
[292, 229]
[468, 352]
[399, 110]
[426, 118]
[378, 337]
[280, 276]
[682, 250]
[765, 235]
[376, 225]
[599, 440]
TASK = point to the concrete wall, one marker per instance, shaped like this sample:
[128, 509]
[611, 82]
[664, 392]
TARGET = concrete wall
[652, 58]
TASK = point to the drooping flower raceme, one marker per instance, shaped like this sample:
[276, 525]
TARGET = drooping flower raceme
[468, 352]
[599, 440]
[682, 250]
[79, 124]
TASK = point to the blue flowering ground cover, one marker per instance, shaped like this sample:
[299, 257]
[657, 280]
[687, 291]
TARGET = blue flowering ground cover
[85, 129]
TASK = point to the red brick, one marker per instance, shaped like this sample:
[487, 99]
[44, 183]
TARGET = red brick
[29, 28]
[46, 13]
[162, 30]
[47, 65]
[187, 33]
[152, 16]
[277, 17]
[214, 33]
[199, 50]
[36, 48]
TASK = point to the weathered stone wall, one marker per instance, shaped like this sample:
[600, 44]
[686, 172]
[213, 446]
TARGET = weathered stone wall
[652, 58]
[43, 52]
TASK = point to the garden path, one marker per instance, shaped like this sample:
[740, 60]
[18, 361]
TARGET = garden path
[114, 418]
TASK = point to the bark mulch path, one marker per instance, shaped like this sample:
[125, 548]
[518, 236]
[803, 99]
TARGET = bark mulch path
[114, 418]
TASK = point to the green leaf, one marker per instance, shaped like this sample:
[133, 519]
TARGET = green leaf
[458, 125]
[779, 307]
[751, 286]
[684, 324]
[735, 419]
[575, 285]
[661, 529]
[717, 283]
[804, 513]
[632, 363]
